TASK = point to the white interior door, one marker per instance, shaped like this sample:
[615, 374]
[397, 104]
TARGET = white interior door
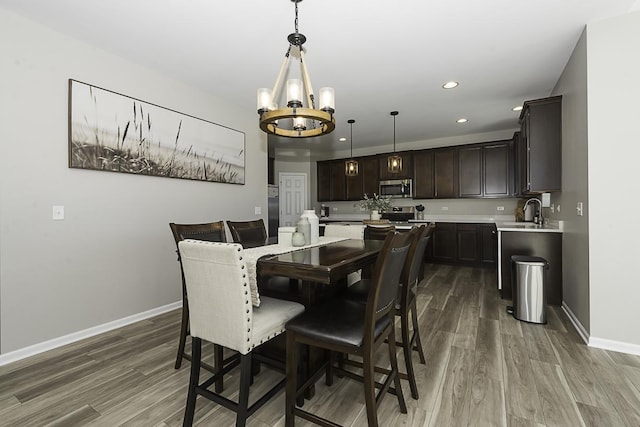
[293, 197]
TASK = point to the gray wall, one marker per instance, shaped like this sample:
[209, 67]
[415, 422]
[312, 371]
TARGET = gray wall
[572, 85]
[113, 256]
[613, 67]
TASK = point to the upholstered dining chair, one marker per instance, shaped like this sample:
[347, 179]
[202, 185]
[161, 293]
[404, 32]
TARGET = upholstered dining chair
[345, 326]
[406, 307]
[211, 232]
[248, 233]
[221, 312]
[253, 233]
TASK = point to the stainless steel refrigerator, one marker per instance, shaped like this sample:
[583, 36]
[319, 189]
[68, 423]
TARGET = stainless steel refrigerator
[273, 213]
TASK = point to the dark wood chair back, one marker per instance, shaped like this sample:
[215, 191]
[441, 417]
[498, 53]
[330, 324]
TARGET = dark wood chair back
[377, 233]
[248, 233]
[386, 278]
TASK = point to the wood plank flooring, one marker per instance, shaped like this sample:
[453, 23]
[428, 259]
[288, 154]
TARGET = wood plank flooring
[484, 368]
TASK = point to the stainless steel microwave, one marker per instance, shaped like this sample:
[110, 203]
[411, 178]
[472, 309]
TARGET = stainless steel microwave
[397, 188]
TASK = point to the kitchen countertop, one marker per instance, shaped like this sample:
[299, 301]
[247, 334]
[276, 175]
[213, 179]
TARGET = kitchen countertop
[503, 222]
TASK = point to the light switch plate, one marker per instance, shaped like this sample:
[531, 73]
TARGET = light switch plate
[58, 213]
[546, 200]
[258, 210]
[579, 210]
[500, 208]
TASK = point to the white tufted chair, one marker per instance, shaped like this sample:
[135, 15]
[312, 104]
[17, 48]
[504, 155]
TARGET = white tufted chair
[221, 312]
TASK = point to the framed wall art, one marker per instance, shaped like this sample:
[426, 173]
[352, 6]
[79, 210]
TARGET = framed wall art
[112, 132]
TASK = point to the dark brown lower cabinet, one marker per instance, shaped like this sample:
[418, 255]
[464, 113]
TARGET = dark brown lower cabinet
[444, 242]
[467, 244]
[545, 245]
[464, 243]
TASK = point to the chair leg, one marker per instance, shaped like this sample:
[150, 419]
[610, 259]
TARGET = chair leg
[330, 355]
[218, 361]
[292, 377]
[406, 351]
[184, 331]
[196, 352]
[416, 332]
[243, 398]
[394, 371]
[368, 374]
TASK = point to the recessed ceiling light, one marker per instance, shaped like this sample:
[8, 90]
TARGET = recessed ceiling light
[462, 121]
[518, 108]
[450, 85]
[342, 139]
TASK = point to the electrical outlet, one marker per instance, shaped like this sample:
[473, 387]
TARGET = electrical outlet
[445, 208]
[335, 209]
[58, 213]
[257, 210]
[579, 211]
[500, 208]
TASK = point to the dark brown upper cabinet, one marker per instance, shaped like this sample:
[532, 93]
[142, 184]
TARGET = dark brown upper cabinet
[366, 181]
[423, 175]
[470, 171]
[323, 180]
[370, 175]
[446, 173]
[540, 148]
[407, 166]
[485, 170]
[331, 181]
[498, 169]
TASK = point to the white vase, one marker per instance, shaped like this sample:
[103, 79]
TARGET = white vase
[375, 215]
[314, 221]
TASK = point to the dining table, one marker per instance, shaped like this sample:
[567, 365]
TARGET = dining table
[322, 269]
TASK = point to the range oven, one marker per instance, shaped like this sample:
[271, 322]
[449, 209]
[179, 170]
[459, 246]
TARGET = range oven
[397, 188]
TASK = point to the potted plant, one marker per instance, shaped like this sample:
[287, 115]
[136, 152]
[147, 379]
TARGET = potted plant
[375, 204]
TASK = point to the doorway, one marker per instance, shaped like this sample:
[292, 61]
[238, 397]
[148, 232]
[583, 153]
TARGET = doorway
[293, 197]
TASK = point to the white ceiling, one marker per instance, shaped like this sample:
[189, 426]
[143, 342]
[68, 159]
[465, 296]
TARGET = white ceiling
[378, 55]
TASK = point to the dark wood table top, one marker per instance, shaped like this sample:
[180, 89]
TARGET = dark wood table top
[324, 264]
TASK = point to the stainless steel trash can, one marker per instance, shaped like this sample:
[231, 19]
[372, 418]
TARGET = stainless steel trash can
[528, 281]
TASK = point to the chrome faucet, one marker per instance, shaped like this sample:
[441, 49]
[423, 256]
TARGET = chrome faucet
[540, 219]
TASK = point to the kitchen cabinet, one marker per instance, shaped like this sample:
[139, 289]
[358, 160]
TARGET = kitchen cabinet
[464, 243]
[444, 242]
[488, 243]
[370, 175]
[323, 179]
[545, 245]
[485, 170]
[467, 243]
[338, 181]
[497, 169]
[331, 181]
[407, 166]
[541, 145]
[423, 175]
[470, 171]
[445, 173]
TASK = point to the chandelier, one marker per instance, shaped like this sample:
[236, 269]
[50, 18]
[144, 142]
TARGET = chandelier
[394, 162]
[297, 119]
[351, 165]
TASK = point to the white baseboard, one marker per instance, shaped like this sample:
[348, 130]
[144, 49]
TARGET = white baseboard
[576, 323]
[619, 346]
[32, 350]
[603, 343]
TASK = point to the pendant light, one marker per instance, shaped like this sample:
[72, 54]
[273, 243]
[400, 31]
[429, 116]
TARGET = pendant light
[351, 165]
[394, 162]
[297, 119]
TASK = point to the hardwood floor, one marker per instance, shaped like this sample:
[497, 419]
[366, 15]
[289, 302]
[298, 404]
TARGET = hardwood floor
[484, 368]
